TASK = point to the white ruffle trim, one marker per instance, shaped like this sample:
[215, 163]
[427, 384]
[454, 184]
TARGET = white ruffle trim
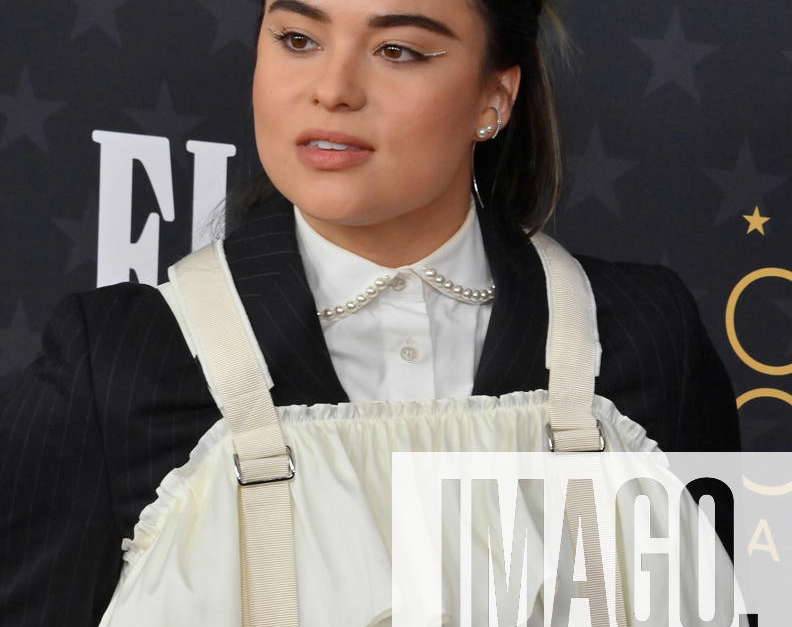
[170, 494]
[174, 486]
[630, 430]
[395, 410]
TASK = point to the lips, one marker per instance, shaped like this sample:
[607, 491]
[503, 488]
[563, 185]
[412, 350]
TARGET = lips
[314, 134]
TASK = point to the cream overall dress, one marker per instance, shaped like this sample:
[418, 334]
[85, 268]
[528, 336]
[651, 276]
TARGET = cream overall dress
[182, 566]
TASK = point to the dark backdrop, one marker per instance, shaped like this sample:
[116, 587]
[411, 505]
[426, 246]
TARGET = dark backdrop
[122, 122]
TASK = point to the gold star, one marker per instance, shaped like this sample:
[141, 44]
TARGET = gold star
[756, 221]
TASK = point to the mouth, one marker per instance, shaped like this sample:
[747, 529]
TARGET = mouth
[332, 140]
[317, 157]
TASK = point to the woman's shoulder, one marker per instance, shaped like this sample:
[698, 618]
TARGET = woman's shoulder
[648, 319]
[124, 299]
[132, 336]
[151, 399]
[132, 346]
[94, 322]
[114, 315]
[110, 306]
[633, 289]
[647, 276]
[659, 361]
[115, 326]
[111, 404]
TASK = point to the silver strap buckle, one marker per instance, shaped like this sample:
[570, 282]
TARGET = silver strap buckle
[258, 481]
[551, 440]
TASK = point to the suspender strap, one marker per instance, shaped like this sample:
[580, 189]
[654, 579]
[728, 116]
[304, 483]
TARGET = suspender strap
[239, 381]
[573, 355]
[573, 349]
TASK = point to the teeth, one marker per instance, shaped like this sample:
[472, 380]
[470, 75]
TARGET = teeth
[329, 145]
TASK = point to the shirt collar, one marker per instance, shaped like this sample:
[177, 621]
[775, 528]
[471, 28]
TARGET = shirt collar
[336, 275]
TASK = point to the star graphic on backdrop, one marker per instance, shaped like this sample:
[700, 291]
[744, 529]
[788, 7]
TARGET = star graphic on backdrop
[25, 114]
[165, 121]
[18, 340]
[83, 235]
[237, 25]
[100, 14]
[674, 58]
[594, 174]
[742, 186]
[756, 221]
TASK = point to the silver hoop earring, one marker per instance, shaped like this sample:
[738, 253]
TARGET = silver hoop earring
[483, 132]
[475, 183]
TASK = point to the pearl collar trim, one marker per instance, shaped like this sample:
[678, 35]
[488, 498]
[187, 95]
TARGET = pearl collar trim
[429, 275]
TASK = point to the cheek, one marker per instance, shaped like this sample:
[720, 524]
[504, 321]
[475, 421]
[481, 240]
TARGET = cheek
[264, 96]
[432, 127]
[271, 107]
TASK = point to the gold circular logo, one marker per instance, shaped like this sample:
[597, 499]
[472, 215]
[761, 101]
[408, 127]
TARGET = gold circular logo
[731, 306]
[751, 395]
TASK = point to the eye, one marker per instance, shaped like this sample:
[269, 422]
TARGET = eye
[393, 52]
[284, 37]
[416, 56]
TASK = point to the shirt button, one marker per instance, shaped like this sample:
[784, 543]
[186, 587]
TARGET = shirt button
[408, 353]
[398, 283]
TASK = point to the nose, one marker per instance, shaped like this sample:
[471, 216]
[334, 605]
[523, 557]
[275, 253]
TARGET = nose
[340, 81]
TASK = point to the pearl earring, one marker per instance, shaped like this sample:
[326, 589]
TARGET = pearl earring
[483, 132]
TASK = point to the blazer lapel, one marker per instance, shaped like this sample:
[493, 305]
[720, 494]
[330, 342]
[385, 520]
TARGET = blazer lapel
[513, 355]
[268, 272]
[269, 275]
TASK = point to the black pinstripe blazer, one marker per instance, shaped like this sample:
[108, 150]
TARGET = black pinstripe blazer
[115, 400]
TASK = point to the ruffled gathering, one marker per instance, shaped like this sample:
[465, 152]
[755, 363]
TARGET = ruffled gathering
[390, 410]
[170, 493]
[341, 494]
[434, 414]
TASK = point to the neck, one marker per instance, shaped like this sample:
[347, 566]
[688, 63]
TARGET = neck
[403, 240]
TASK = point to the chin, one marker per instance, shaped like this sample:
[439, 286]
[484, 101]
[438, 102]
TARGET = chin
[337, 215]
[332, 205]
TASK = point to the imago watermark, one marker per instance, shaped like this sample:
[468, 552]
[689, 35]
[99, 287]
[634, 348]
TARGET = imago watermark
[617, 539]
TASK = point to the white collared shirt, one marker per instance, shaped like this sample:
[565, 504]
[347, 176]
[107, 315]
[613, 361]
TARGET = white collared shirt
[411, 342]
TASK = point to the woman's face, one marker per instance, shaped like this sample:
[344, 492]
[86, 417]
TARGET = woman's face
[333, 71]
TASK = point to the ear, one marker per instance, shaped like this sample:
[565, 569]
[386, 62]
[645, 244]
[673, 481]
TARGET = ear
[501, 94]
[507, 85]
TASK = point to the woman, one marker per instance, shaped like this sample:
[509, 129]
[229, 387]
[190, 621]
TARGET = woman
[117, 400]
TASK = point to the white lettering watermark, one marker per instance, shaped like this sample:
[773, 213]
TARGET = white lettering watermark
[539, 539]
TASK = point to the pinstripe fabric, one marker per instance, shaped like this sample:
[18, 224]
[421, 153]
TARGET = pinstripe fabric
[115, 400]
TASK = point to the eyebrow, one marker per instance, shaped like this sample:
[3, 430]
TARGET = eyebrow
[376, 21]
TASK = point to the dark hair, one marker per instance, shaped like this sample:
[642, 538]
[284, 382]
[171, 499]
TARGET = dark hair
[519, 172]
